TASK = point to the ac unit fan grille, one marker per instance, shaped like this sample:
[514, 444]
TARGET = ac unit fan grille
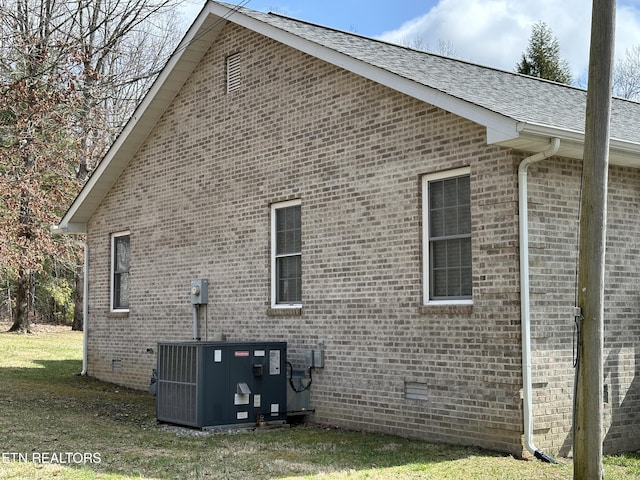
[177, 386]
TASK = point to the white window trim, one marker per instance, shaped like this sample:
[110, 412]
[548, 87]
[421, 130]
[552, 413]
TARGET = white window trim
[112, 269]
[274, 207]
[458, 172]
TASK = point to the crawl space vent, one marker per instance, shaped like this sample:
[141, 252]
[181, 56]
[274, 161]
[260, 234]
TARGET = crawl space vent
[416, 391]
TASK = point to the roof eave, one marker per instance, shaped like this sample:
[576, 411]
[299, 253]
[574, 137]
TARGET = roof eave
[534, 138]
[70, 228]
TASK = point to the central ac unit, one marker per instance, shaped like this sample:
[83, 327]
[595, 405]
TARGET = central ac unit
[221, 384]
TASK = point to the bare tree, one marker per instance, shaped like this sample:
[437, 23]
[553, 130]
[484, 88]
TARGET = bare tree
[37, 155]
[71, 73]
[123, 45]
[626, 75]
[444, 47]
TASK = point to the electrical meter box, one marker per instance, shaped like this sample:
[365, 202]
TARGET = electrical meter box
[221, 384]
[199, 291]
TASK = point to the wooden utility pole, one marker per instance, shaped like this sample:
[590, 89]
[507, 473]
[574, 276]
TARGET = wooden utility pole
[588, 434]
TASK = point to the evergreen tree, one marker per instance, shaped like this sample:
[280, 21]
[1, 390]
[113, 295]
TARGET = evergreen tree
[542, 58]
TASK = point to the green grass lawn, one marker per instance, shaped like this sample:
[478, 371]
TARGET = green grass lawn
[56, 424]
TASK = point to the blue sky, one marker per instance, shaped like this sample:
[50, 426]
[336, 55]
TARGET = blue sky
[366, 17]
[489, 32]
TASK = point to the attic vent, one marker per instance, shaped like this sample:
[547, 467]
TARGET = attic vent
[233, 72]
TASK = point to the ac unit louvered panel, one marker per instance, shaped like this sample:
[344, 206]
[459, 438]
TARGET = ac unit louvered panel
[177, 386]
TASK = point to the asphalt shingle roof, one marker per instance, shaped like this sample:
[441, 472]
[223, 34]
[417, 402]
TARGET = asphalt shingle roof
[522, 98]
[499, 99]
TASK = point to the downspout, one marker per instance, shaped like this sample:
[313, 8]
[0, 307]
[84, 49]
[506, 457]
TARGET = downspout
[57, 229]
[85, 308]
[525, 318]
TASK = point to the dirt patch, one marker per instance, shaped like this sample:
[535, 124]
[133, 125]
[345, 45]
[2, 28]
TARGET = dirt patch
[38, 327]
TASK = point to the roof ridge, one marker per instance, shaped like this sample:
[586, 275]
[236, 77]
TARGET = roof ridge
[248, 11]
[424, 52]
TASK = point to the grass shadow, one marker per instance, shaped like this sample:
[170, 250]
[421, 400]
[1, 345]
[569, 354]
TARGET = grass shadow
[46, 407]
[49, 408]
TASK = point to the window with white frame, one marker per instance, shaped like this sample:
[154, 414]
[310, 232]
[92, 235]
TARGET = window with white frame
[447, 237]
[120, 256]
[286, 254]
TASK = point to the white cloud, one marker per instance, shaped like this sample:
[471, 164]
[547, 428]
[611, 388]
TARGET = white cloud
[627, 28]
[496, 32]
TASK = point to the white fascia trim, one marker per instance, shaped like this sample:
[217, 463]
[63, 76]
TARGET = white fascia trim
[69, 229]
[500, 127]
[546, 133]
[573, 136]
[621, 152]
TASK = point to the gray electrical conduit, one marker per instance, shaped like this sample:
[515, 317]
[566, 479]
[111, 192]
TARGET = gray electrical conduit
[525, 318]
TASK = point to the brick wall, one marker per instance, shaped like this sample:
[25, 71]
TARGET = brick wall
[196, 199]
[554, 188]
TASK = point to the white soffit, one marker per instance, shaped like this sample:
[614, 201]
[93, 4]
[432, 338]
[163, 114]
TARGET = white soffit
[535, 138]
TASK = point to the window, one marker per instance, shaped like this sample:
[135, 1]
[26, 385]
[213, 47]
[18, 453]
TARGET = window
[447, 237]
[286, 256]
[120, 271]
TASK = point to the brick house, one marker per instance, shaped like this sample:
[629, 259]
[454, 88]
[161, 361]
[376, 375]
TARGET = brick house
[344, 194]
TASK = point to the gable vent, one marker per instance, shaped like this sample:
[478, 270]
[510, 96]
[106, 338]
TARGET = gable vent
[233, 72]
